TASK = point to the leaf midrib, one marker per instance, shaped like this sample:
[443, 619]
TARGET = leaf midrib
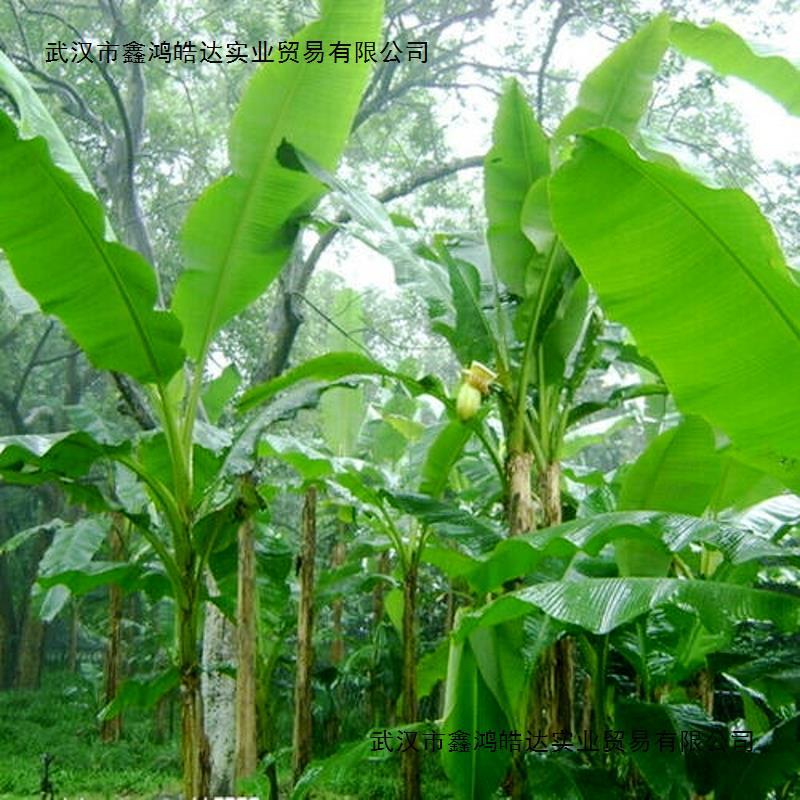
[224, 273]
[100, 246]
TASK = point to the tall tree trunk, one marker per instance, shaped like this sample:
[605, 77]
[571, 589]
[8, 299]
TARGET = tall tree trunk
[556, 674]
[520, 510]
[8, 627]
[410, 756]
[194, 745]
[219, 694]
[379, 708]
[302, 730]
[112, 728]
[246, 729]
[30, 650]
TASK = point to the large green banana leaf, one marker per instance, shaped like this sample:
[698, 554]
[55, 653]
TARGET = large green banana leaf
[442, 456]
[599, 605]
[472, 707]
[72, 549]
[671, 533]
[616, 93]
[53, 234]
[677, 472]
[728, 54]
[240, 232]
[698, 277]
[331, 367]
[671, 774]
[35, 120]
[519, 157]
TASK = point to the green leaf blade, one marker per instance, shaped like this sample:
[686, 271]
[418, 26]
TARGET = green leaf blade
[696, 274]
[240, 233]
[616, 93]
[53, 234]
[728, 54]
[519, 157]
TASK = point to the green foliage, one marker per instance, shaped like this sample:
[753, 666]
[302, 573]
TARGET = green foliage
[694, 273]
[728, 54]
[123, 332]
[710, 254]
[599, 605]
[519, 156]
[34, 722]
[35, 120]
[678, 471]
[471, 707]
[240, 232]
[615, 95]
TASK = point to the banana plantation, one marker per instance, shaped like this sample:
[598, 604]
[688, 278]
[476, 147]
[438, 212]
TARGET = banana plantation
[399, 400]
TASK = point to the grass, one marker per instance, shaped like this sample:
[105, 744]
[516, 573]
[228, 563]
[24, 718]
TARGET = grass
[60, 718]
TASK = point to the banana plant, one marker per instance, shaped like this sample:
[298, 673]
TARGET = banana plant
[593, 203]
[235, 240]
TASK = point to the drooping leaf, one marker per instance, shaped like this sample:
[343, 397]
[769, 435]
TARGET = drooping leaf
[70, 455]
[471, 708]
[616, 93]
[102, 292]
[94, 574]
[240, 232]
[728, 54]
[697, 276]
[519, 157]
[678, 471]
[472, 336]
[521, 555]
[565, 331]
[72, 548]
[774, 761]
[35, 120]
[444, 452]
[330, 367]
[741, 485]
[671, 773]
[23, 536]
[140, 693]
[448, 520]
[311, 464]
[394, 603]
[535, 216]
[599, 605]
[414, 265]
[220, 391]
[343, 410]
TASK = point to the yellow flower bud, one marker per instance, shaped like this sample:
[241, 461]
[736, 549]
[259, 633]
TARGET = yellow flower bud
[474, 386]
[468, 401]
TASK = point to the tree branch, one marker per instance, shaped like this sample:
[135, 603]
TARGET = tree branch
[31, 363]
[565, 13]
[285, 319]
